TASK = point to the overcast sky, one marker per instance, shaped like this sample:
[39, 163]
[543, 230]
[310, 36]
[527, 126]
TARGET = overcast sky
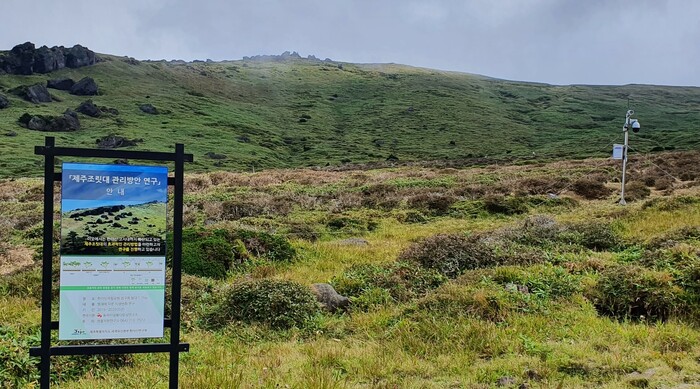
[553, 41]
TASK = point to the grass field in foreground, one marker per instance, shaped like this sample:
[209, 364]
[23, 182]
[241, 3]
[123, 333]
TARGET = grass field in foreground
[471, 331]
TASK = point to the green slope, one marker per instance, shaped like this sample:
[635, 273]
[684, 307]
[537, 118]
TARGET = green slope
[298, 112]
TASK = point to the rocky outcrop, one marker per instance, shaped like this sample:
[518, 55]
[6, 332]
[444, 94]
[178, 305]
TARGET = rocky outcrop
[79, 56]
[33, 93]
[148, 108]
[85, 87]
[26, 59]
[329, 298]
[89, 108]
[66, 122]
[47, 60]
[4, 102]
[60, 84]
[114, 141]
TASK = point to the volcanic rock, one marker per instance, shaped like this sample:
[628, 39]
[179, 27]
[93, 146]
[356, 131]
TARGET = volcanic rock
[60, 84]
[85, 87]
[89, 108]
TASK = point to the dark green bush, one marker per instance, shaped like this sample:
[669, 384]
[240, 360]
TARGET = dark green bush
[594, 235]
[204, 253]
[277, 303]
[212, 253]
[365, 284]
[633, 292]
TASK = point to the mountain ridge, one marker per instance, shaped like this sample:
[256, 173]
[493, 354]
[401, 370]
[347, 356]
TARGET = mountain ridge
[242, 115]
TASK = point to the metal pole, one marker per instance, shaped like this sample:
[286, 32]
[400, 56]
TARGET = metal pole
[47, 257]
[177, 267]
[625, 129]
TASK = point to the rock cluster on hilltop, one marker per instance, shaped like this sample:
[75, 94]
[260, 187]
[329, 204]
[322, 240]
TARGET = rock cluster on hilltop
[26, 59]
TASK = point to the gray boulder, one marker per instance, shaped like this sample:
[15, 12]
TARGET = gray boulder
[148, 108]
[109, 110]
[89, 108]
[60, 84]
[329, 298]
[85, 87]
[115, 141]
[34, 93]
[213, 155]
[4, 102]
[37, 123]
[78, 56]
[47, 60]
[70, 118]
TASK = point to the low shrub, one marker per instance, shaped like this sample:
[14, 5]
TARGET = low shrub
[506, 205]
[483, 300]
[262, 244]
[541, 185]
[450, 254]
[368, 285]
[432, 203]
[633, 292]
[412, 217]
[204, 253]
[636, 190]
[594, 235]
[671, 203]
[670, 239]
[590, 189]
[350, 225]
[195, 294]
[545, 281]
[277, 303]
[212, 253]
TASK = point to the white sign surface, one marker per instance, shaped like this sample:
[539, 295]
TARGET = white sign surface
[618, 151]
[111, 297]
[112, 273]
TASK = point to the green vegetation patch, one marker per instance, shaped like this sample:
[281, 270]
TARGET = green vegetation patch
[278, 303]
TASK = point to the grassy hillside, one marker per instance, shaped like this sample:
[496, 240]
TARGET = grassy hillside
[299, 113]
[458, 278]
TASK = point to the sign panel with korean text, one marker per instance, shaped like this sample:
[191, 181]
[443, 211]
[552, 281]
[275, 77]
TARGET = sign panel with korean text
[112, 267]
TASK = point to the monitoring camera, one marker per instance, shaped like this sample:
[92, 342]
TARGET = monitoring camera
[635, 126]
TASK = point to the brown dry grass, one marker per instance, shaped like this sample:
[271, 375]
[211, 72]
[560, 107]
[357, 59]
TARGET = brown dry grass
[13, 259]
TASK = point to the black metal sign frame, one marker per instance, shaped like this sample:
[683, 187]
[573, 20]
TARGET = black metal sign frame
[175, 347]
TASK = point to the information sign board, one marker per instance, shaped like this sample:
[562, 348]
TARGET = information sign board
[112, 263]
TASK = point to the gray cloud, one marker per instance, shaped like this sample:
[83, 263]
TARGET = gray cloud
[554, 41]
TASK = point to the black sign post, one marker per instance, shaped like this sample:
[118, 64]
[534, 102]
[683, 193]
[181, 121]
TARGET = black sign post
[174, 347]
